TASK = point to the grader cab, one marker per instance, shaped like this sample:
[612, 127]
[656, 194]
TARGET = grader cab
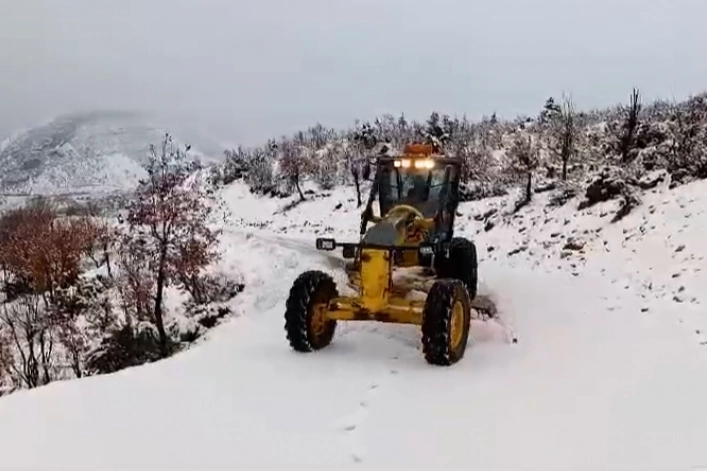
[408, 248]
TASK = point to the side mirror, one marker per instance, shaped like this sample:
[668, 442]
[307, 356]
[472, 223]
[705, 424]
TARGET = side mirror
[325, 244]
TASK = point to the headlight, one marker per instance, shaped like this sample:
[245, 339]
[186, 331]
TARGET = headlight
[424, 163]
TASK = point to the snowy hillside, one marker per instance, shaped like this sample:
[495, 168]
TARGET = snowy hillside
[654, 253]
[609, 372]
[97, 152]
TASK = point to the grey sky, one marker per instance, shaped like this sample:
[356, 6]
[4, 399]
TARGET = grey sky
[244, 70]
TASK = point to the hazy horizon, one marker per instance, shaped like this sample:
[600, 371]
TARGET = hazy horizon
[236, 71]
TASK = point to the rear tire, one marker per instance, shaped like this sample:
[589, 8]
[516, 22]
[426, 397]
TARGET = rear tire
[446, 322]
[462, 264]
[305, 323]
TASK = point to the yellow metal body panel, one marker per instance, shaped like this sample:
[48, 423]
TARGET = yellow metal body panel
[397, 310]
[378, 300]
[409, 259]
[375, 281]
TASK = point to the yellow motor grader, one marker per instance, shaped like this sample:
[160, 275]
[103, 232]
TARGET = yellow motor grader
[417, 194]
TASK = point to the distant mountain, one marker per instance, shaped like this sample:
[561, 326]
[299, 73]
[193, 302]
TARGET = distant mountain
[98, 152]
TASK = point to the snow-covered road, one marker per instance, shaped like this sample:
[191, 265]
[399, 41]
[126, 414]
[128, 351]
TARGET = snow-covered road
[594, 383]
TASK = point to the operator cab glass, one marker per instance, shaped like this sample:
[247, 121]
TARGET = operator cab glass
[423, 189]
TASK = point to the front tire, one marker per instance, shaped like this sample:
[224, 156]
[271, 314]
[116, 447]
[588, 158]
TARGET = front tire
[462, 264]
[446, 322]
[306, 324]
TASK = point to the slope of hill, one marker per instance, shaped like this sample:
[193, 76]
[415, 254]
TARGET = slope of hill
[655, 252]
[609, 371]
[96, 152]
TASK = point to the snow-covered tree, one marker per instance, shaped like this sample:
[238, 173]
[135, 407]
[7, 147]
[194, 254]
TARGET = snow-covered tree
[557, 123]
[524, 161]
[687, 127]
[167, 239]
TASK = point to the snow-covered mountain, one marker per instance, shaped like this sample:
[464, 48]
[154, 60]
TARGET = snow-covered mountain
[95, 152]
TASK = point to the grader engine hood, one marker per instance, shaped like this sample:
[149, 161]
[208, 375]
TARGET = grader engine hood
[402, 229]
[403, 225]
[394, 240]
[389, 231]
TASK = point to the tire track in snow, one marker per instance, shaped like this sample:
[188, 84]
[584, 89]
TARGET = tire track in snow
[293, 248]
[296, 245]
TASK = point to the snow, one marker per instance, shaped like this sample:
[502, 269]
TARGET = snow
[608, 373]
[90, 153]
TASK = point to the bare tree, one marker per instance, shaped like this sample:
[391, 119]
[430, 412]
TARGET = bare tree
[29, 330]
[137, 284]
[524, 160]
[167, 221]
[627, 135]
[355, 154]
[325, 163]
[6, 361]
[235, 164]
[78, 314]
[319, 135]
[41, 255]
[260, 169]
[567, 133]
[557, 125]
[293, 164]
[43, 250]
[688, 131]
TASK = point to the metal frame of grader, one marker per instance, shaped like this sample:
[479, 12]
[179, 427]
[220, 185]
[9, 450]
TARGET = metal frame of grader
[401, 237]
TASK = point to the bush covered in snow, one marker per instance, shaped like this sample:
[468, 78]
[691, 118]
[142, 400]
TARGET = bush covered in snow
[80, 295]
[560, 144]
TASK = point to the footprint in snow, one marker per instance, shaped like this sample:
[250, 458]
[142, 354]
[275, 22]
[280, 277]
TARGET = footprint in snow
[358, 418]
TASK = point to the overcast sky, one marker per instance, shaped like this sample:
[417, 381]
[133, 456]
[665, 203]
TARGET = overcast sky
[245, 70]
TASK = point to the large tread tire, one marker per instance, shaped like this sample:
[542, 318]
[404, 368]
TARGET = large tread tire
[437, 320]
[309, 288]
[462, 265]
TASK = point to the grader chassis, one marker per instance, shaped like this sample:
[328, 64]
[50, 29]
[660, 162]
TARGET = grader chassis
[409, 249]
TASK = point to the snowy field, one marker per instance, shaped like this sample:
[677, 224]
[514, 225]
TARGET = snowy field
[609, 372]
